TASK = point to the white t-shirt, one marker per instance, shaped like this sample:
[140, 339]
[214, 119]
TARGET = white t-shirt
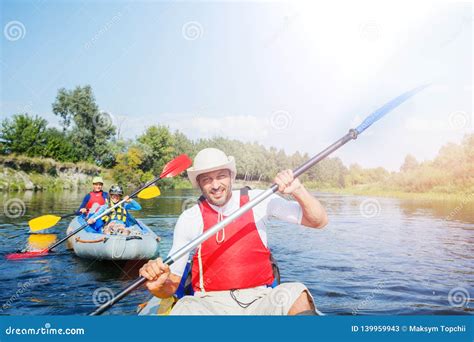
[190, 224]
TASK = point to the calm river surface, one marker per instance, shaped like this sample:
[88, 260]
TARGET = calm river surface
[376, 256]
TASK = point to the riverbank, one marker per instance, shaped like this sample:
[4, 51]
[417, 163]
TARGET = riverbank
[426, 196]
[371, 190]
[20, 173]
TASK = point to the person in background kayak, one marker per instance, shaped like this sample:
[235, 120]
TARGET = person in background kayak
[231, 271]
[119, 219]
[97, 197]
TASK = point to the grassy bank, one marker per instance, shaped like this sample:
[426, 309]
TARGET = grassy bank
[372, 190]
[20, 173]
[427, 196]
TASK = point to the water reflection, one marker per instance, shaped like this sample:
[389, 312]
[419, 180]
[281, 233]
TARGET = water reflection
[399, 257]
[38, 242]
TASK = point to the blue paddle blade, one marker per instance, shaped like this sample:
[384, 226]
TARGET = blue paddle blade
[379, 113]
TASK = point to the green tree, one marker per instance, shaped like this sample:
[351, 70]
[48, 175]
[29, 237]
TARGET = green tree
[90, 130]
[57, 146]
[182, 145]
[127, 170]
[329, 172]
[409, 164]
[23, 134]
[468, 146]
[157, 144]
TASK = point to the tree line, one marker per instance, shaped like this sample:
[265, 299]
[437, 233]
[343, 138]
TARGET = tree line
[88, 135]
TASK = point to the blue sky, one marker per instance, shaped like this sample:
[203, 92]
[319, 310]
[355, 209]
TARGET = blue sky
[293, 75]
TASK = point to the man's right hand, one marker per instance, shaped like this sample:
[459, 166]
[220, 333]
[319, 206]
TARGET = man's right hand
[156, 272]
[83, 210]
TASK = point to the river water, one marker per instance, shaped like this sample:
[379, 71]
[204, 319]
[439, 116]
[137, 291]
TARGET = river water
[376, 256]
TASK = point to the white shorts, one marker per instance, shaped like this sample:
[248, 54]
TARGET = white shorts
[254, 301]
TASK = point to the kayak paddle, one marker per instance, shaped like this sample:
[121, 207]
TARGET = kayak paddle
[146, 191]
[351, 135]
[46, 221]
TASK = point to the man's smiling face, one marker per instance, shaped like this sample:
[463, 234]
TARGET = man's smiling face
[216, 186]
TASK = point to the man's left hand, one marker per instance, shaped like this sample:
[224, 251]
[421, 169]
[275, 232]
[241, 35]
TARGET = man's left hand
[287, 183]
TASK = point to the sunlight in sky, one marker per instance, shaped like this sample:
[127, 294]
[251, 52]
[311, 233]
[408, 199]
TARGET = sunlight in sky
[294, 75]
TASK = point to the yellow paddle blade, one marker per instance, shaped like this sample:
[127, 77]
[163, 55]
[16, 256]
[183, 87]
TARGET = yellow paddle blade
[43, 222]
[150, 192]
[38, 242]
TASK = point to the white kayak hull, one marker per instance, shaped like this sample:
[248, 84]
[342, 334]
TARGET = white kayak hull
[100, 246]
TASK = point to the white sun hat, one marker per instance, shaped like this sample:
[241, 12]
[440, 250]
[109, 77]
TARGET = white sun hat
[210, 159]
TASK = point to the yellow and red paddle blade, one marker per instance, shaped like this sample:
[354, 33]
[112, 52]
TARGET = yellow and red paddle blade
[150, 192]
[176, 166]
[27, 255]
[38, 245]
[43, 222]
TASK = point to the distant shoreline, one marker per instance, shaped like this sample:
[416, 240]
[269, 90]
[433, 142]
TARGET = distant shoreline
[376, 192]
[47, 182]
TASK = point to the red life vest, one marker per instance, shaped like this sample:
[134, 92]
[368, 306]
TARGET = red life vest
[95, 197]
[240, 261]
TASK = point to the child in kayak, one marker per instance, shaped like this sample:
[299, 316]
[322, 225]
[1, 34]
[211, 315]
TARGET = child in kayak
[119, 219]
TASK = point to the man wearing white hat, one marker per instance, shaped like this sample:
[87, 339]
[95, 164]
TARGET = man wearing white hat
[232, 271]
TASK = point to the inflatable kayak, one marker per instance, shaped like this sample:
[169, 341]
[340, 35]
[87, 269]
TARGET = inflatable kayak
[91, 245]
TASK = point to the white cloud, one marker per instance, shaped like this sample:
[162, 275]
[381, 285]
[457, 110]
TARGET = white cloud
[241, 127]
